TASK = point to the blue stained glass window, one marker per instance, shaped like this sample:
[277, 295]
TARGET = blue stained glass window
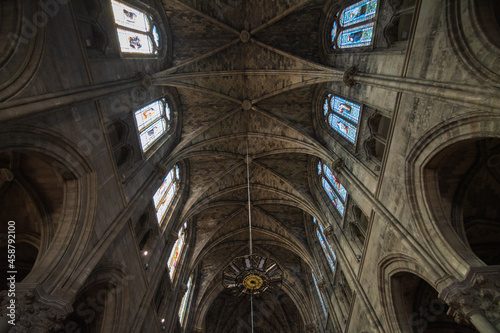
[357, 36]
[335, 182]
[333, 196]
[334, 189]
[359, 12]
[325, 249]
[324, 237]
[347, 109]
[320, 297]
[325, 106]
[346, 129]
[334, 31]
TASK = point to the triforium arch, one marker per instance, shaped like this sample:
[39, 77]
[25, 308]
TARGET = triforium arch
[101, 302]
[451, 229]
[56, 184]
[392, 267]
[22, 44]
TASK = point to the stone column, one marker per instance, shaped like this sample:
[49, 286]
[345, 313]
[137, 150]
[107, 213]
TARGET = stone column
[476, 299]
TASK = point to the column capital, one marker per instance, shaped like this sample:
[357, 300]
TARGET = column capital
[161, 170]
[31, 315]
[478, 293]
[348, 76]
[311, 328]
[145, 81]
[338, 165]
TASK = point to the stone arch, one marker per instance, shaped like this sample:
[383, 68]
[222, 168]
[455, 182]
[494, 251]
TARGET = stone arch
[395, 265]
[474, 32]
[102, 302]
[71, 182]
[432, 216]
[22, 41]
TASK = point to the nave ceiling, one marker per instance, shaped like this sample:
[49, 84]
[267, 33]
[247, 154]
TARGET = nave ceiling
[247, 71]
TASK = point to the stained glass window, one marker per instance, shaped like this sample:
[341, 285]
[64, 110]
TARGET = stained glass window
[333, 188]
[359, 12]
[319, 295]
[325, 245]
[342, 116]
[184, 302]
[135, 29]
[152, 122]
[348, 30]
[176, 251]
[165, 193]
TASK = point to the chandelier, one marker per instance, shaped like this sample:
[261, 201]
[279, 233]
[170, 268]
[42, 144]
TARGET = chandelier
[252, 275]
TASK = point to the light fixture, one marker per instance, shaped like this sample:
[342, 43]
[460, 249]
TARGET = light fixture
[145, 253]
[252, 274]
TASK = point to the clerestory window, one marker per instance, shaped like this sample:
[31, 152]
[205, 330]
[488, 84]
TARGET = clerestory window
[325, 245]
[152, 120]
[165, 194]
[332, 186]
[354, 25]
[342, 116]
[325, 312]
[176, 252]
[136, 29]
[184, 302]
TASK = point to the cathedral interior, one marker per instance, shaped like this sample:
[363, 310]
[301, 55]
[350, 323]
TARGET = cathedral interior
[199, 166]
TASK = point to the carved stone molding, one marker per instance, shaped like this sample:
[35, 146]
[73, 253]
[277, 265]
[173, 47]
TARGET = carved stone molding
[172, 237]
[322, 285]
[194, 330]
[329, 231]
[144, 80]
[478, 293]
[311, 328]
[183, 288]
[33, 315]
[338, 165]
[348, 76]
[161, 170]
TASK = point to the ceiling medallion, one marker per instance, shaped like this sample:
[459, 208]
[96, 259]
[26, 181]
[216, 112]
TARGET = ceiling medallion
[252, 275]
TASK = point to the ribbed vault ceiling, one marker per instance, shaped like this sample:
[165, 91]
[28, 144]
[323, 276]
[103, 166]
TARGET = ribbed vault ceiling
[256, 85]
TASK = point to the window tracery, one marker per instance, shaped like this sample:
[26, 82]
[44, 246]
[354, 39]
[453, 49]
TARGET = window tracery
[135, 29]
[332, 186]
[325, 312]
[165, 193]
[342, 116]
[175, 254]
[184, 302]
[325, 245]
[354, 26]
[152, 120]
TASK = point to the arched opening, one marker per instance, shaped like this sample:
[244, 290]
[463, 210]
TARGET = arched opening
[418, 308]
[463, 188]
[32, 197]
